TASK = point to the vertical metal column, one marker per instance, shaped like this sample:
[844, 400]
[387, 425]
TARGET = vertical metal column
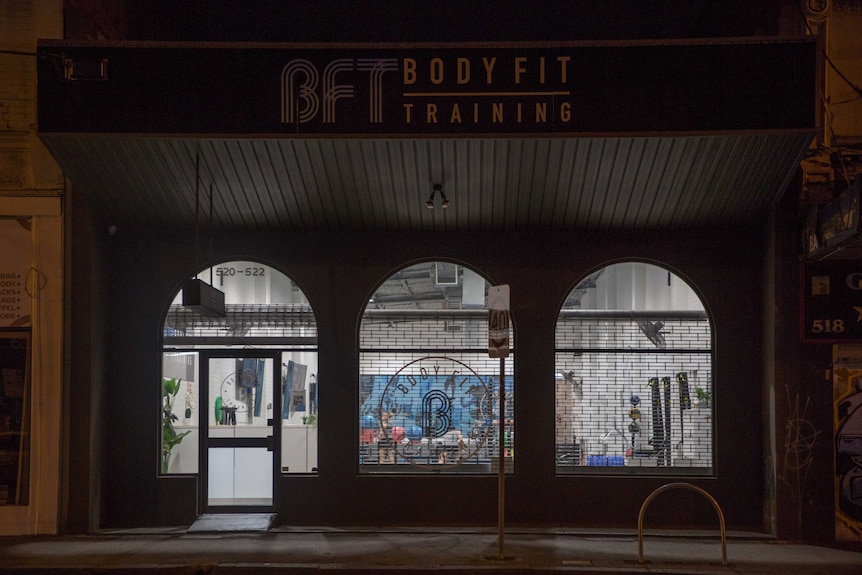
[501, 481]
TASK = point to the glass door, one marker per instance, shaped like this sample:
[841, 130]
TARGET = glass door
[239, 453]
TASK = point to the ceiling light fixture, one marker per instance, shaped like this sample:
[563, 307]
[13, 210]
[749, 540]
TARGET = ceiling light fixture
[444, 201]
[430, 203]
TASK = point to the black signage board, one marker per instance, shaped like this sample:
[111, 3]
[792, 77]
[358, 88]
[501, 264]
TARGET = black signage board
[831, 302]
[407, 91]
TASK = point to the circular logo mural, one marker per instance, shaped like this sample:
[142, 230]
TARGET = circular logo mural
[435, 411]
[235, 389]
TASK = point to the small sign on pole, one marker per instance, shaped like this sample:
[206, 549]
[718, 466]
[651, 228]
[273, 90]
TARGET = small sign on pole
[498, 321]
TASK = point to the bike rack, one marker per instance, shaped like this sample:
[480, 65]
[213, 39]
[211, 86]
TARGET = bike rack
[668, 487]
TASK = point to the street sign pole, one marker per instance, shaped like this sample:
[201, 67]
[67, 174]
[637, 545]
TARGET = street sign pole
[501, 477]
[498, 346]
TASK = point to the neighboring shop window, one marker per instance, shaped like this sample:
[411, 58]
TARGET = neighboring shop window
[428, 391]
[18, 282]
[15, 412]
[634, 374]
[265, 310]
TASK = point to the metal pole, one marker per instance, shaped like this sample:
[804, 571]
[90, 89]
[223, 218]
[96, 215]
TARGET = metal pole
[662, 489]
[501, 483]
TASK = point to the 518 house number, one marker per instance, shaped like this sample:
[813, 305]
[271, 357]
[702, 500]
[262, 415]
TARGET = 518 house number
[248, 272]
[827, 326]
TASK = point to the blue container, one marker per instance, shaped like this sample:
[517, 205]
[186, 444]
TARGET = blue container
[414, 433]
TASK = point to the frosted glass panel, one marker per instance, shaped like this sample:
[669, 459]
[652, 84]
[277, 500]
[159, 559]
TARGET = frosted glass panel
[239, 476]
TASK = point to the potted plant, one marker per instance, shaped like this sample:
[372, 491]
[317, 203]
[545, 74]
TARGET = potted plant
[703, 396]
[170, 437]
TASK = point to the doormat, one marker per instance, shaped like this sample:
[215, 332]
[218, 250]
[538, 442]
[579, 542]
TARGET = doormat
[233, 522]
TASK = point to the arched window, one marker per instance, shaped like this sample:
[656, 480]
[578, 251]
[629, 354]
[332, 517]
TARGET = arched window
[428, 391]
[633, 374]
[238, 373]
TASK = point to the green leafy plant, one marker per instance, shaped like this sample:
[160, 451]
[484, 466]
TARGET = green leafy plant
[310, 419]
[704, 397]
[170, 437]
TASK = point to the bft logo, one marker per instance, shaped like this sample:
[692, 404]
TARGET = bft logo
[304, 96]
[435, 410]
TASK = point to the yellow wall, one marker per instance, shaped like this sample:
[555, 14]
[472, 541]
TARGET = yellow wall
[844, 104]
[31, 186]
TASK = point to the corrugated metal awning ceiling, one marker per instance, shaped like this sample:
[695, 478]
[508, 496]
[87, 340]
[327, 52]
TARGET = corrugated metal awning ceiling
[588, 183]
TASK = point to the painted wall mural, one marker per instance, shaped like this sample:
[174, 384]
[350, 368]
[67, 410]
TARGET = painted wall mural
[847, 395]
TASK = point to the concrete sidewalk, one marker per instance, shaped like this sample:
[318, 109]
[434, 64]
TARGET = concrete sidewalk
[396, 552]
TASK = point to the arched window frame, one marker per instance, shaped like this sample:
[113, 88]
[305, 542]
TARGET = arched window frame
[401, 341]
[288, 326]
[633, 376]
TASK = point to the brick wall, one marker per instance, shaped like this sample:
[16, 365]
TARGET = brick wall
[602, 363]
[390, 343]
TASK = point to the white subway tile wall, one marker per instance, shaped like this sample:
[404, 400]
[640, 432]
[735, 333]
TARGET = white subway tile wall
[623, 400]
[389, 344]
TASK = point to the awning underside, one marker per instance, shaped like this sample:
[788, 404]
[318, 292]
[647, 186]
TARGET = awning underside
[593, 183]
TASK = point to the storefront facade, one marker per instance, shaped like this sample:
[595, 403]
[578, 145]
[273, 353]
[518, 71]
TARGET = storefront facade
[164, 123]
[325, 496]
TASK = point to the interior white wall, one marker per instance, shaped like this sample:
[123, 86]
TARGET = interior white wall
[640, 286]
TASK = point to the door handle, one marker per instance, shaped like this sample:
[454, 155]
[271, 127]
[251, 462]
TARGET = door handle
[270, 443]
